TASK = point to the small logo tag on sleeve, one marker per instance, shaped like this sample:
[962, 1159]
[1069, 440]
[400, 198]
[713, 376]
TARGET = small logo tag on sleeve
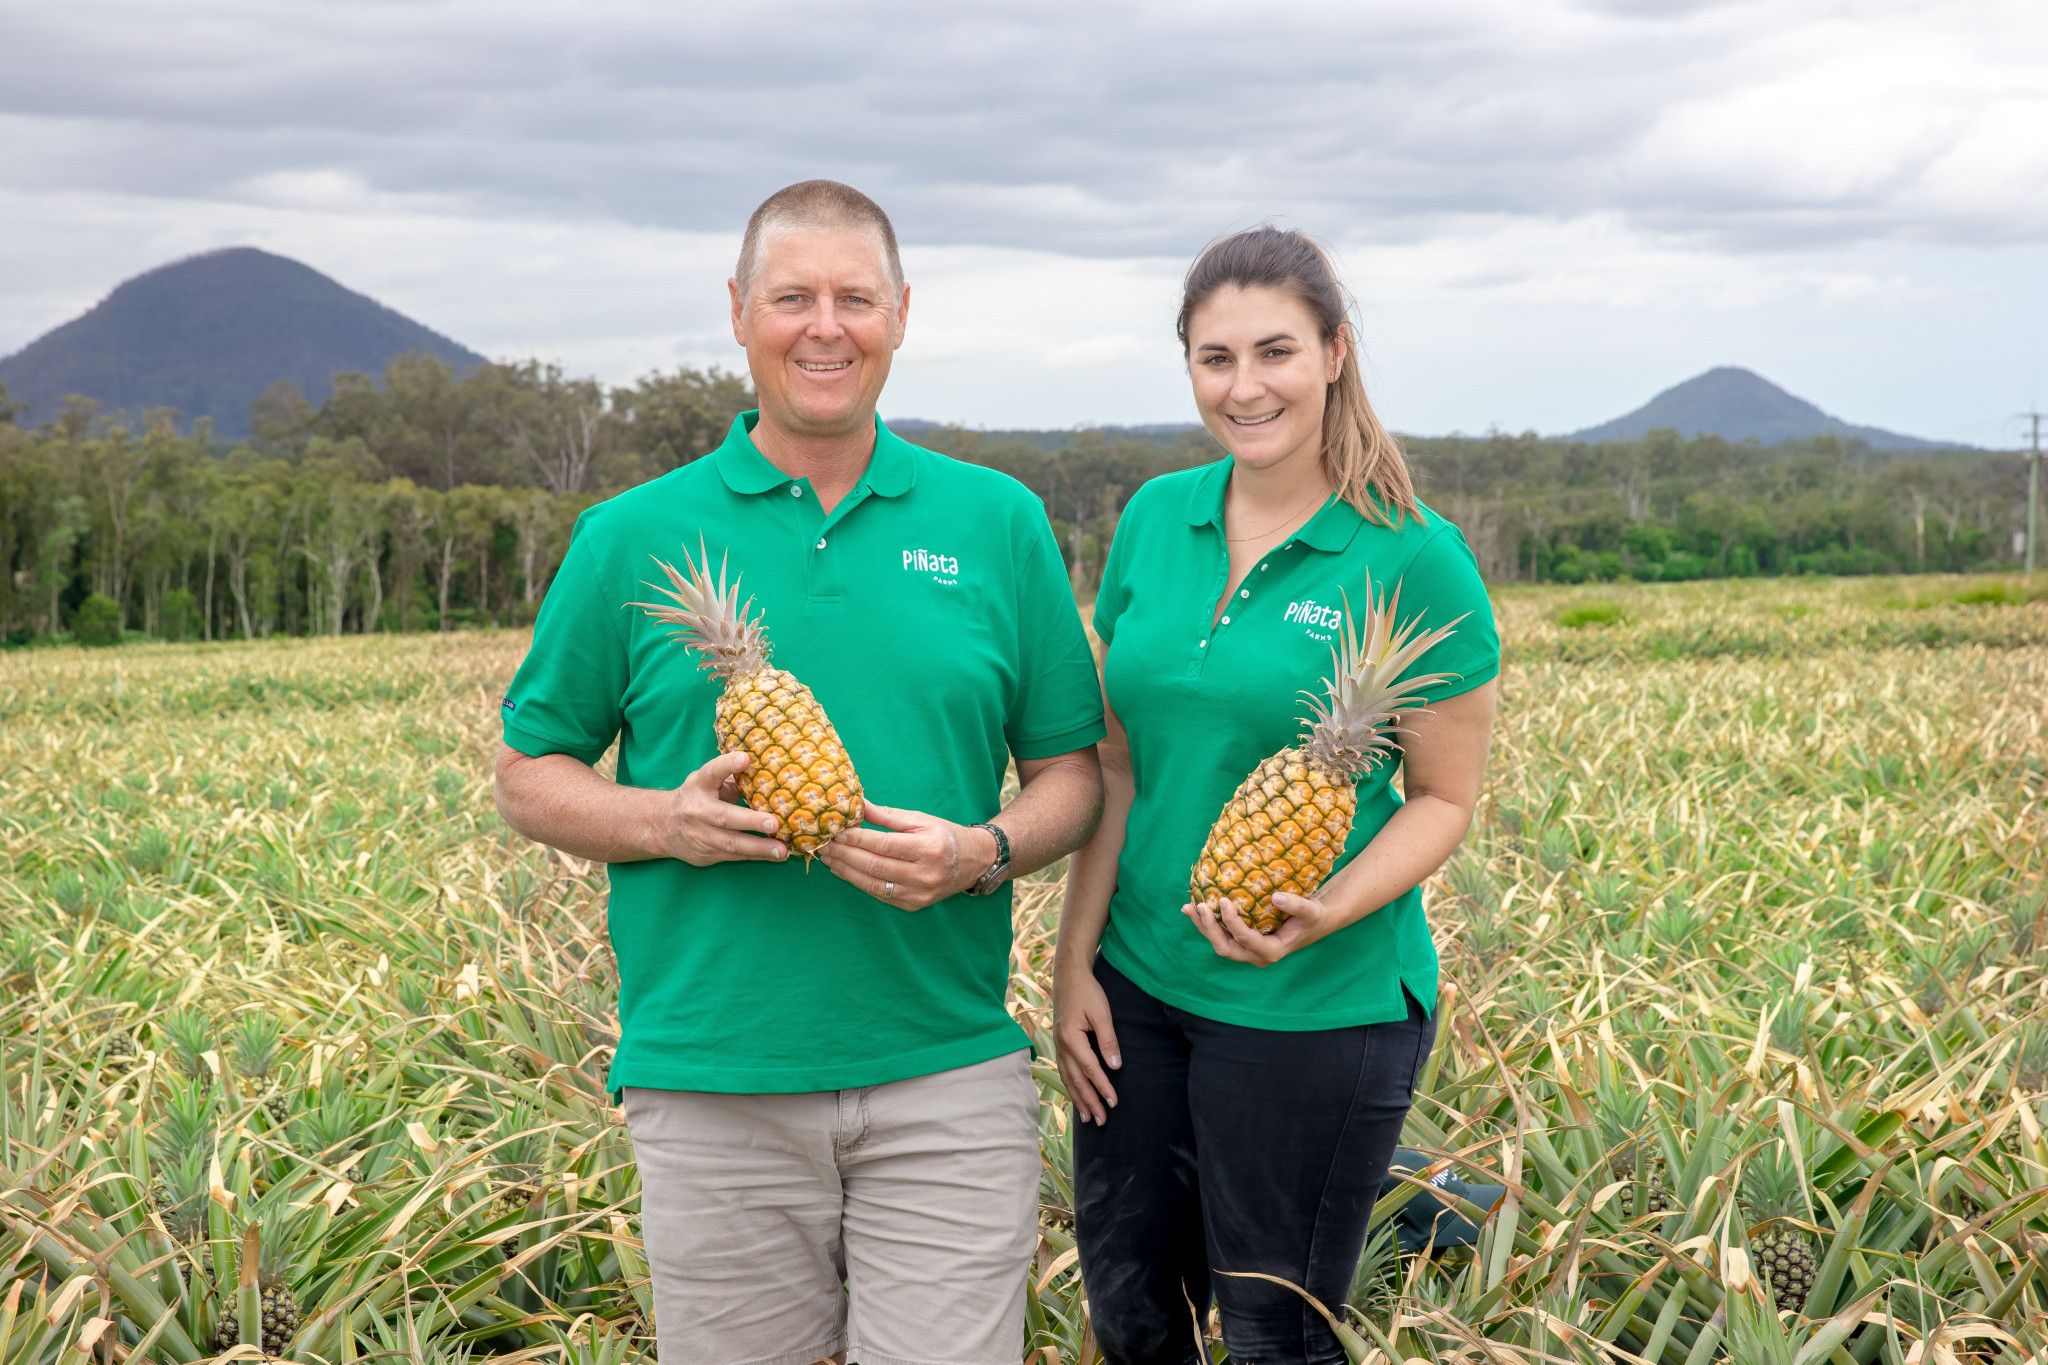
[508, 705]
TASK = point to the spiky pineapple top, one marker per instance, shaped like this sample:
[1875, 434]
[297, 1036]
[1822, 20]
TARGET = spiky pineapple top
[710, 617]
[1349, 731]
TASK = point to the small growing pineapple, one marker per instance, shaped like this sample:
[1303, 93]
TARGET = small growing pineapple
[254, 1044]
[800, 773]
[1285, 825]
[280, 1307]
[1784, 1257]
[188, 1035]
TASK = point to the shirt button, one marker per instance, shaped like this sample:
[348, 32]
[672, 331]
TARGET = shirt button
[796, 490]
[1203, 645]
[1262, 568]
[1244, 592]
[821, 542]
[1226, 620]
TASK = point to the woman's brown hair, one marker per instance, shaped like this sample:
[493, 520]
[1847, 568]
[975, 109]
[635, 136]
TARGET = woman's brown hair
[1361, 459]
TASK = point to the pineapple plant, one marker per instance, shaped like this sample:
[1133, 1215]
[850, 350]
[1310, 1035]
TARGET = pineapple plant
[1624, 1113]
[1785, 1257]
[1282, 829]
[188, 1035]
[263, 1244]
[800, 772]
[254, 1045]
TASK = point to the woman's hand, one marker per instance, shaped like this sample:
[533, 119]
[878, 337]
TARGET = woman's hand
[1079, 1009]
[1225, 928]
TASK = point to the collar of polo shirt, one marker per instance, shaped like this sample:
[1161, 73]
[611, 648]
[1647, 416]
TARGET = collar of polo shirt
[890, 473]
[1330, 529]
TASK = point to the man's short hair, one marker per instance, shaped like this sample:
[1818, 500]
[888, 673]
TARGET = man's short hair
[817, 206]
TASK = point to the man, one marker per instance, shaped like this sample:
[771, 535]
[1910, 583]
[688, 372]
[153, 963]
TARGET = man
[833, 1113]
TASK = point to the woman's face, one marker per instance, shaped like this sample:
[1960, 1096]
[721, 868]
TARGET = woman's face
[1261, 373]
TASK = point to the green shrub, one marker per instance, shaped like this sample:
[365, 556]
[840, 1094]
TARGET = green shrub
[98, 621]
[1591, 614]
[180, 612]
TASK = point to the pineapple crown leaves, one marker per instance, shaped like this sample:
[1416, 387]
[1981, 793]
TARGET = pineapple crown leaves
[1770, 1185]
[189, 1035]
[709, 616]
[255, 1042]
[188, 1119]
[1350, 729]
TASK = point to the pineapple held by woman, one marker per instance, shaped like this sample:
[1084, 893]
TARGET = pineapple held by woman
[799, 772]
[1282, 830]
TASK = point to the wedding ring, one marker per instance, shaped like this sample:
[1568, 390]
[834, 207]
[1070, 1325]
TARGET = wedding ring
[888, 891]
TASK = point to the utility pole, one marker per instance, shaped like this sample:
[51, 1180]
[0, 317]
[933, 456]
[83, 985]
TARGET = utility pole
[2034, 493]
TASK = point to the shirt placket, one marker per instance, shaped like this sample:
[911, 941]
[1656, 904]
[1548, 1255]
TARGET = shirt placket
[1240, 601]
[823, 580]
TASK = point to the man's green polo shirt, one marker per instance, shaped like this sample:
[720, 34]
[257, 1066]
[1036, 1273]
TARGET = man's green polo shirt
[1205, 704]
[930, 613]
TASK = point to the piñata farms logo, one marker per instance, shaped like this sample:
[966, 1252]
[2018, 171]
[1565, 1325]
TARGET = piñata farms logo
[942, 568]
[1317, 619]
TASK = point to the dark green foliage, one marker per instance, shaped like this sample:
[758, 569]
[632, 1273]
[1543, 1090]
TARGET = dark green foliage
[98, 621]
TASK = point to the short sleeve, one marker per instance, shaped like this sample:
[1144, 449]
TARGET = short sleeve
[1115, 593]
[568, 694]
[1440, 586]
[1058, 708]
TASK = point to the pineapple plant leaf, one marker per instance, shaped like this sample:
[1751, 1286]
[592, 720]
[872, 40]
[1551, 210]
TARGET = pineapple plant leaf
[1282, 829]
[799, 770]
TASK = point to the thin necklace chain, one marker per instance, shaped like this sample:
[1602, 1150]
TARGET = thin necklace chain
[1261, 535]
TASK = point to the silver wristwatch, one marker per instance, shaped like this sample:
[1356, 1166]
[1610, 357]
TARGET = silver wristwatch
[999, 869]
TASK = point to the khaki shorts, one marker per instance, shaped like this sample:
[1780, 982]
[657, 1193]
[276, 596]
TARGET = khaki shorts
[896, 1222]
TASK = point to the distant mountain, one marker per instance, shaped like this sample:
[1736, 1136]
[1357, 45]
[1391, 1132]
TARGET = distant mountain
[1739, 404]
[205, 335]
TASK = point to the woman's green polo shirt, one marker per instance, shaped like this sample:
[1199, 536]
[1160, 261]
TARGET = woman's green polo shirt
[931, 615]
[1204, 705]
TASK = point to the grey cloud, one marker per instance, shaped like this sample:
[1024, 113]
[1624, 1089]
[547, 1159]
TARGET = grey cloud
[1093, 129]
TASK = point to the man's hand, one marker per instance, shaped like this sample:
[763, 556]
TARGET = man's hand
[1081, 1029]
[705, 822]
[914, 860]
[1225, 928]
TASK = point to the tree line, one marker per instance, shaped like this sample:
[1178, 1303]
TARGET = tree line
[425, 499]
[1670, 508]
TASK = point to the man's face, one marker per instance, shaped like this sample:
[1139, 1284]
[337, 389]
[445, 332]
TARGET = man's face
[820, 324]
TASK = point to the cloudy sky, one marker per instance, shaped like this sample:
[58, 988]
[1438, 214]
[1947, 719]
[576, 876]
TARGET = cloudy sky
[1548, 209]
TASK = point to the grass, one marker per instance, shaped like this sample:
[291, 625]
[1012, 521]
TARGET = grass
[1758, 881]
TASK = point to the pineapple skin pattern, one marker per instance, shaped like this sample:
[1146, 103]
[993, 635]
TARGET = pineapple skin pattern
[1282, 829]
[799, 770]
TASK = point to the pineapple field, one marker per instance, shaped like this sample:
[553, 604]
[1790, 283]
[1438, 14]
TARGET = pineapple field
[303, 1051]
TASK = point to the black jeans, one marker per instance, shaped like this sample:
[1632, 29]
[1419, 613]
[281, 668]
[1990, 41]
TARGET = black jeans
[1234, 1149]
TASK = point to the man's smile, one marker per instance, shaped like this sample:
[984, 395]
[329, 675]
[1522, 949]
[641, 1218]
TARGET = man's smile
[823, 366]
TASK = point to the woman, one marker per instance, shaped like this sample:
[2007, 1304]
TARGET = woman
[1240, 1093]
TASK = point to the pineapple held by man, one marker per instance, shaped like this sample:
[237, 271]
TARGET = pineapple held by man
[1784, 1256]
[1282, 830]
[800, 773]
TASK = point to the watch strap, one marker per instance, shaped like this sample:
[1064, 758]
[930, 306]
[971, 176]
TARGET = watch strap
[991, 879]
